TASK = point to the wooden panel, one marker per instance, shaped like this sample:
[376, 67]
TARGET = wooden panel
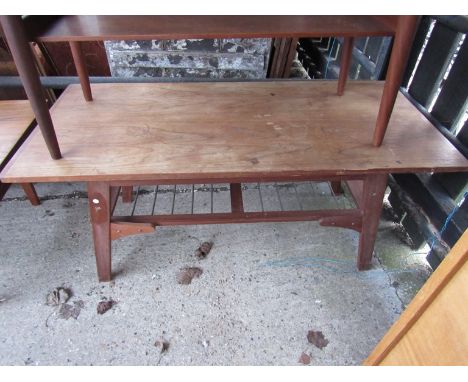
[453, 183]
[433, 330]
[90, 28]
[432, 62]
[418, 43]
[453, 94]
[15, 118]
[433, 199]
[238, 130]
[463, 134]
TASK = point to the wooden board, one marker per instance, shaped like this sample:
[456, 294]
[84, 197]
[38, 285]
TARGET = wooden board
[15, 118]
[91, 28]
[433, 330]
[238, 130]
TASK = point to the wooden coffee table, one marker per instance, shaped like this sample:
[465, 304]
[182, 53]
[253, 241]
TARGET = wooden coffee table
[143, 134]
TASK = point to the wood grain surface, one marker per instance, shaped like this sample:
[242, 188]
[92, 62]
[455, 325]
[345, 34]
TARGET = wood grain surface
[15, 118]
[93, 28]
[433, 330]
[239, 130]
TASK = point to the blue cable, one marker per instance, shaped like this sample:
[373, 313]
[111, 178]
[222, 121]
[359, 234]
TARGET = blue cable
[448, 219]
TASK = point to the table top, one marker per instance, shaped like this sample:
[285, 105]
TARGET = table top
[236, 129]
[15, 119]
[91, 28]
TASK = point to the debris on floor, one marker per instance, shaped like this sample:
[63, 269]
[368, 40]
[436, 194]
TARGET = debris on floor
[68, 310]
[203, 250]
[28, 362]
[304, 359]
[317, 338]
[400, 231]
[105, 305]
[186, 275]
[256, 322]
[59, 295]
[162, 345]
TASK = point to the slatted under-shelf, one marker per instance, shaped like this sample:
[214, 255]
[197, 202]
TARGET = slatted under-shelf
[216, 198]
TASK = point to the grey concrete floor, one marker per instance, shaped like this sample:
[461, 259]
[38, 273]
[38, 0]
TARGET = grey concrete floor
[263, 287]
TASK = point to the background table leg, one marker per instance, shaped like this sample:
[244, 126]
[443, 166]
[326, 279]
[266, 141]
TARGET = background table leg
[24, 61]
[81, 69]
[402, 43]
[372, 198]
[99, 210]
[346, 56]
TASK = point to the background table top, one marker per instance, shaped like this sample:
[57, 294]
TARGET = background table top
[91, 28]
[15, 118]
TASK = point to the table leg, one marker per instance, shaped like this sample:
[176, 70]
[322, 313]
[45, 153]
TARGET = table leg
[402, 43]
[3, 189]
[99, 196]
[81, 69]
[346, 56]
[24, 60]
[372, 198]
[30, 192]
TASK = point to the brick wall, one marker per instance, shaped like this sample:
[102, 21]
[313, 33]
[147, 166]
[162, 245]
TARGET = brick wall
[194, 58]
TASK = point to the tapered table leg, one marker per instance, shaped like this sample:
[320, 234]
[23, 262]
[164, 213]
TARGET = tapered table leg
[372, 199]
[401, 48]
[30, 192]
[81, 69]
[24, 60]
[346, 56]
[99, 196]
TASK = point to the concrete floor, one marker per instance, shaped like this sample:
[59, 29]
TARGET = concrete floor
[263, 287]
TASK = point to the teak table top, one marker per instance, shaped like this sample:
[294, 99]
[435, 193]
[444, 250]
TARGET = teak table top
[220, 130]
[15, 118]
